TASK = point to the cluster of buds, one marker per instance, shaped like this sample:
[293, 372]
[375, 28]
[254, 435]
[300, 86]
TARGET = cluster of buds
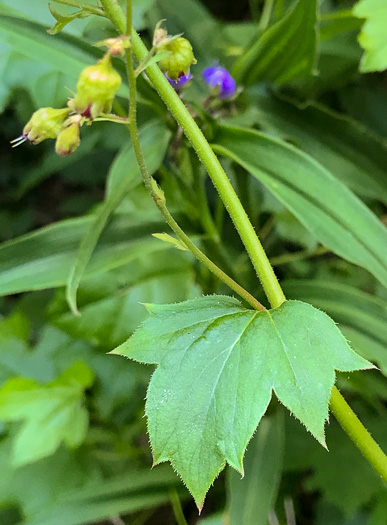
[98, 85]
[178, 60]
[96, 88]
[177, 56]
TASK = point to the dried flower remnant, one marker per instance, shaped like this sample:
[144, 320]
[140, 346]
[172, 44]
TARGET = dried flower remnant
[180, 82]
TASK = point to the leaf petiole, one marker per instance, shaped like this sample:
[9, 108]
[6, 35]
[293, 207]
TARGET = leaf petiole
[74, 3]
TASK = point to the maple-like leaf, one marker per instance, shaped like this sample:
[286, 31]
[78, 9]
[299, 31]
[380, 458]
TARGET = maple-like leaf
[51, 413]
[373, 36]
[218, 364]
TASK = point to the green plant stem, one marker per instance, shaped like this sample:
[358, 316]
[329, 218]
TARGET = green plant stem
[73, 3]
[177, 508]
[160, 202]
[112, 118]
[242, 223]
[298, 256]
[340, 409]
[358, 434]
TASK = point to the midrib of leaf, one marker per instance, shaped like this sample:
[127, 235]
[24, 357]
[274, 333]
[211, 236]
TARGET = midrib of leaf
[285, 348]
[229, 350]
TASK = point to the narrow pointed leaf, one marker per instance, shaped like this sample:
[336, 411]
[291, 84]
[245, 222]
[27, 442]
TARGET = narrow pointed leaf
[285, 51]
[42, 259]
[218, 364]
[347, 149]
[124, 176]
[253, 497]
[325, 206]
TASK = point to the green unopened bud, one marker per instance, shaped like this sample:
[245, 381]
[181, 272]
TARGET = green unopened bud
[46, 123]
[96, 89]
[178, 62]
[68, 140]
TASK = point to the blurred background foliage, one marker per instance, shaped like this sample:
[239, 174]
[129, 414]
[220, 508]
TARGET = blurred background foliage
[73, 443]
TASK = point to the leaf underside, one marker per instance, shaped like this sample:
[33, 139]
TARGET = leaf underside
[218, 363]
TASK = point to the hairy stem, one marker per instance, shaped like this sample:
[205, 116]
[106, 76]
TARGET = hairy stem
[242, 223]
[273, 290]
[150, 186]
[177, 508]
[358, 433]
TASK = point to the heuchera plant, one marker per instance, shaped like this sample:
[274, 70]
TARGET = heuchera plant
[220, 360]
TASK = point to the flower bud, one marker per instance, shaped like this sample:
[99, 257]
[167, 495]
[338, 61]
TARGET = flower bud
[178, 62]
[68, 140]
[45, 123]
[96, 89]
[219, 78]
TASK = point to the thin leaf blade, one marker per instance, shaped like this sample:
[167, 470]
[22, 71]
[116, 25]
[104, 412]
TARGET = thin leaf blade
[285, 51]
[124, 176]
[253, 497]
[327, 208]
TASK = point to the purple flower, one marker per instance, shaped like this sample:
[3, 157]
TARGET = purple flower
[219, 76]
[180, 82]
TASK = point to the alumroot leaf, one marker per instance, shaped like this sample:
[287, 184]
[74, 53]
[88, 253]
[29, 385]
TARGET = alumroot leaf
[218, 364]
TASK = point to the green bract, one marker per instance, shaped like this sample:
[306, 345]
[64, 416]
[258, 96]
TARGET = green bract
[179, 60]
[96, 88]
[218, 364]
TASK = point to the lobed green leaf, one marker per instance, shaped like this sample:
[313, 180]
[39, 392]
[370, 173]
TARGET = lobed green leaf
[217, 366]
[51, 413]
[373, 36]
